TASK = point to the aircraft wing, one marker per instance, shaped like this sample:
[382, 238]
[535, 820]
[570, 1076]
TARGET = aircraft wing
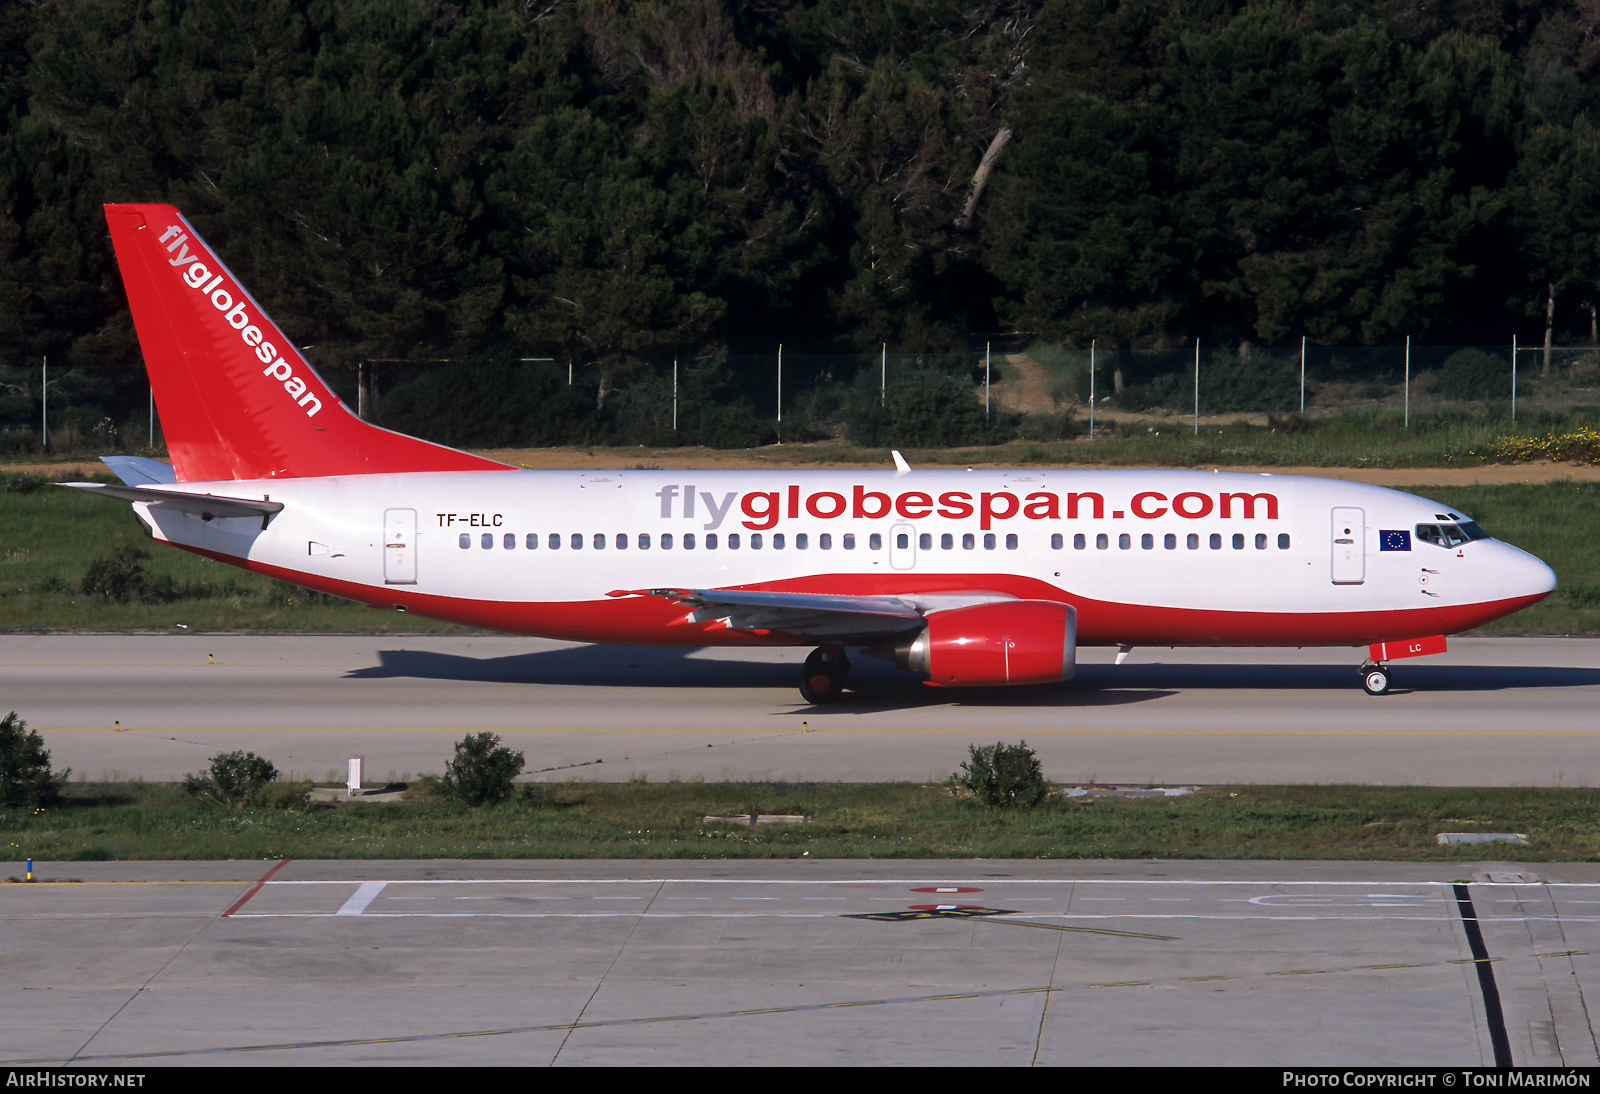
[205, 506]
[816, 617]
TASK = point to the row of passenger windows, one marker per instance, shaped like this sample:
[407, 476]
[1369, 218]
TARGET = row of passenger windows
[1169, 541]
[599, 541]
[733, 541]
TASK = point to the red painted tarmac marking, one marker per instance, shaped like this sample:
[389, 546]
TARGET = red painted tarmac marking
[946, 889]
[254, 889]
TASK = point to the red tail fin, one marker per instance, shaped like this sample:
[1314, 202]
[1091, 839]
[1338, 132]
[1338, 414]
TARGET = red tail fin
[237, 400]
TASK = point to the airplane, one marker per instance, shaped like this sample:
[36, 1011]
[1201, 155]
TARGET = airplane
[971, 578]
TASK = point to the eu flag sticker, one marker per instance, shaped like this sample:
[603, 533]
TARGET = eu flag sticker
[1394, 539]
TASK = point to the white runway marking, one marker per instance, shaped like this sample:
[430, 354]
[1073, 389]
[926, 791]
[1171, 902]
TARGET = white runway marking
[365, 893]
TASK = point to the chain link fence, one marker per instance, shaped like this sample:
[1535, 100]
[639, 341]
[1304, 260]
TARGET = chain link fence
[1044, 392]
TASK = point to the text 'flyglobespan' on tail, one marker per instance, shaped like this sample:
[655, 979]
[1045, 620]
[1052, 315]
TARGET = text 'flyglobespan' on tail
[237, 400]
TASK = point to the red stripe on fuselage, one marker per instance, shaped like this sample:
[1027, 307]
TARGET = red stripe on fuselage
[656, 621]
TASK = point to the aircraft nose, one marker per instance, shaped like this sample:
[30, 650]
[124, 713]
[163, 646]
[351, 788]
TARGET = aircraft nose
[1532, 577]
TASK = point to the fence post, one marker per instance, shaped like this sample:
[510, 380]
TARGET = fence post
[1408, 381]
[44, 403]
[986, 381]
[1091, 387]
[1513, 377]
[1302, 376]
[674, 394]
[780, 383]
[883, 379]
[1197, 387]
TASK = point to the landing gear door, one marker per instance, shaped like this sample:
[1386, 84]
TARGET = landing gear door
[1349, 546]
[400, 546]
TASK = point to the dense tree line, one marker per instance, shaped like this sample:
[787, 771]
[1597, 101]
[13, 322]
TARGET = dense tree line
[619, 182]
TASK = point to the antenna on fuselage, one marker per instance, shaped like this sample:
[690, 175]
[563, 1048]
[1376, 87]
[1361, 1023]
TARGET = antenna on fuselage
[901, 467]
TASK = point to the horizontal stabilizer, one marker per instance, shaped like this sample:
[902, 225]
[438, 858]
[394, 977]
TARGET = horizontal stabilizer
[205, 506]
[139, 471]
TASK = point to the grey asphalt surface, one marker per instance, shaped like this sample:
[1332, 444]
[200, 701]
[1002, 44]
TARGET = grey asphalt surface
[139, 965]
[1516, 711]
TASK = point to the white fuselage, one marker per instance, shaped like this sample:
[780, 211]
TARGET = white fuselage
[1169, 557]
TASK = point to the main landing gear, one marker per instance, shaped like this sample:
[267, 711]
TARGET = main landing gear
[1374, 679]
[823, 676]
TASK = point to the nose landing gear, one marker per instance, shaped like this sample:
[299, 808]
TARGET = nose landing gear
[1374, 679]
[824, 674]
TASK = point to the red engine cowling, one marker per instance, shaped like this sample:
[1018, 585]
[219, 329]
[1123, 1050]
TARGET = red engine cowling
[1012, 642]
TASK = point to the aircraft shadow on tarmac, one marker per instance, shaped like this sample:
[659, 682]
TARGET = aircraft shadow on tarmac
[875, 684]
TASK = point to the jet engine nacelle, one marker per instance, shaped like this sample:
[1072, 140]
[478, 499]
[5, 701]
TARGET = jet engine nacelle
[1015, 642]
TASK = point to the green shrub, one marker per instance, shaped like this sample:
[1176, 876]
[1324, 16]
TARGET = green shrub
[1473, 374]
[1003, 775]
[118, 577]
[482, 771]
[236, 779]
[924, 410]
[26, 781]
[732, 427]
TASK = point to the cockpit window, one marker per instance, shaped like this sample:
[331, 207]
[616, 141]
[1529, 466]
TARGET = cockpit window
[1450, 535]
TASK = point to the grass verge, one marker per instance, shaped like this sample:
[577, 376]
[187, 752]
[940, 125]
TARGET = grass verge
[133, 821]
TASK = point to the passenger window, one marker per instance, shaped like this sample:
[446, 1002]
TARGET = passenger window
[1147, 542]
[1124, 541]
[1216, 541]
[1283, 541]
[777, 541]
[688, 541]
[902, 541]
[1102, 541]
[1193, 542]
[1079, 542]
[875, 542]
[711, 541]
[644, 541]
[849, 541]
[533, 541]
[968, 541]
[825, 541]
[1056, 541]
[599, 541]
[577, 541]
[487, 540]
[733, 541]
[756, 540]
[1238, 541]
[1170, 542]
[1261, 541]
[466, 540]
[622, 541]
[666, 541]
[947, 542]
[801, 541]
[1011, 541]
[925, 541]
[509, 542]
[555, 541]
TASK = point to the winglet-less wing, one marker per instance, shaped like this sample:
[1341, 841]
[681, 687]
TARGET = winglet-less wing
[816, 617]
[205, 506]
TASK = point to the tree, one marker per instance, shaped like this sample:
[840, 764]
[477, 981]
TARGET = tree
[26, 781]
